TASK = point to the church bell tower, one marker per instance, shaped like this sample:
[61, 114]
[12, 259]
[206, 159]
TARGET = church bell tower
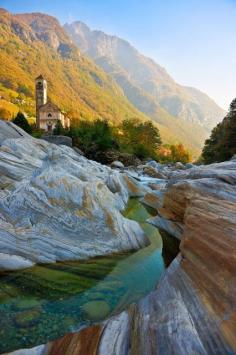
[41, 96]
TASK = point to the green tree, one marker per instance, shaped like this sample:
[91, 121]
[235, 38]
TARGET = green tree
[22, 122]
[210, 151]
[59, 130]
[23, 89]
[179, 154]
[92, 136]
[139, 138]
[221, 145]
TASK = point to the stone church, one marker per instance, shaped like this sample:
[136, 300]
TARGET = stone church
[47, 113]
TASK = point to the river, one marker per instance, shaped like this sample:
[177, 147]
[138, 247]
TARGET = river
[47, 301]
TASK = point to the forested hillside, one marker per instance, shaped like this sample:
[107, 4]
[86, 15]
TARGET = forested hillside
[180, 110]
[33, 44]
[221, 145]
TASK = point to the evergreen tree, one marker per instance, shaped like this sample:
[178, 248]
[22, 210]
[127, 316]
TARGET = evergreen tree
[92, 136]
[232, 107]
[22, 122]
[221, 145]
[210, 151]
[58, 130]
[227, 145]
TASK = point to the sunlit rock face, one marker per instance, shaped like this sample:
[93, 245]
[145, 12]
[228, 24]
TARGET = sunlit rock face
[57, 205]
[9, 130]
[203, 201]
[192, 310]
[170, 320]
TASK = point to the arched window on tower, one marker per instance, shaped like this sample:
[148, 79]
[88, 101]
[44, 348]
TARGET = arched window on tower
[39, 85]
[49, 115]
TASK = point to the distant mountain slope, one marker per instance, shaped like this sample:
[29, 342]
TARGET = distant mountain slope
[146, 84]
[33, 44]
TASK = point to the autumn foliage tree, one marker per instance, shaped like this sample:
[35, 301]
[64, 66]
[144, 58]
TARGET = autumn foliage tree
[139, 138]
[173, 154]
[5, 114]
[179, 153]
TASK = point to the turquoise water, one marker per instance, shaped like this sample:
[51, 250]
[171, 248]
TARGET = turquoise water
[47, 301]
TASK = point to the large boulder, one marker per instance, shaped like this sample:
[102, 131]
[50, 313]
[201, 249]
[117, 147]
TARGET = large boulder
[117, 164]
[202, 201]
[110, 156]
[189, 166]
[154, 173]
[58, 140]
[57, 205]
[179, 166]
[171, 320]
[192, 310]
[154, 165]
[9, 130]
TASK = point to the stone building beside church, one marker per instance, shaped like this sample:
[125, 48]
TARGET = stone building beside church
[47, 113]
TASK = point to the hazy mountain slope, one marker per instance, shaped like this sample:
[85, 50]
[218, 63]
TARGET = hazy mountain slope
[31, 44]
[147, 85]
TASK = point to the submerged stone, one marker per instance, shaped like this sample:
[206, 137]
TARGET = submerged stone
[96, 310]
[27, 318]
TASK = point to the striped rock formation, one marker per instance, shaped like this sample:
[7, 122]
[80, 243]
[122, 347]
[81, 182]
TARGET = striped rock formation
[57, 205]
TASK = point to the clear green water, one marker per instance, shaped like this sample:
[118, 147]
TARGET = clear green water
[47, 301]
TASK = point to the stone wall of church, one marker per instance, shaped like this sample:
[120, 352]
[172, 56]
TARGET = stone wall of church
[49, 119]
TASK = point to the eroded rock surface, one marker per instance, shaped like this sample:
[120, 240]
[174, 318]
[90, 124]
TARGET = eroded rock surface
[57, 205]
[171, 320]
[202, 201]
[9, 130]
[47, 189]
[192, 311]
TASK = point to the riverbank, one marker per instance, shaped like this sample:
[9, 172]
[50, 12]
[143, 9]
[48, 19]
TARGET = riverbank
[193, 307]
[59, 206]
[48, 301]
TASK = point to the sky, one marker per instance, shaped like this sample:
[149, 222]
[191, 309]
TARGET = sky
[193, 39]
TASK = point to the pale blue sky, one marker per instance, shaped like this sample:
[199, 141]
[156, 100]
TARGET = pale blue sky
[193, 39]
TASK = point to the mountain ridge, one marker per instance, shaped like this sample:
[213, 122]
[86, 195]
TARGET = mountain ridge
[33, 44]
[146, 75]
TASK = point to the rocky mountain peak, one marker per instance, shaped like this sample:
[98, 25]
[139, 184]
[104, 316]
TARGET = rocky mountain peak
[79, 26]
[3, 11]
[136, 73]
[48, 30]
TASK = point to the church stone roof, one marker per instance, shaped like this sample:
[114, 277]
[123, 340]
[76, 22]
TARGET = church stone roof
[49, 107]
[40, 77]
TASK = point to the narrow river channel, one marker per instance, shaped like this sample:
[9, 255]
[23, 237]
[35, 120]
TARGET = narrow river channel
[47, 301]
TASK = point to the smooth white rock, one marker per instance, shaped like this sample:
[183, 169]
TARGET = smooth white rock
[58, 205]
[13, 262]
